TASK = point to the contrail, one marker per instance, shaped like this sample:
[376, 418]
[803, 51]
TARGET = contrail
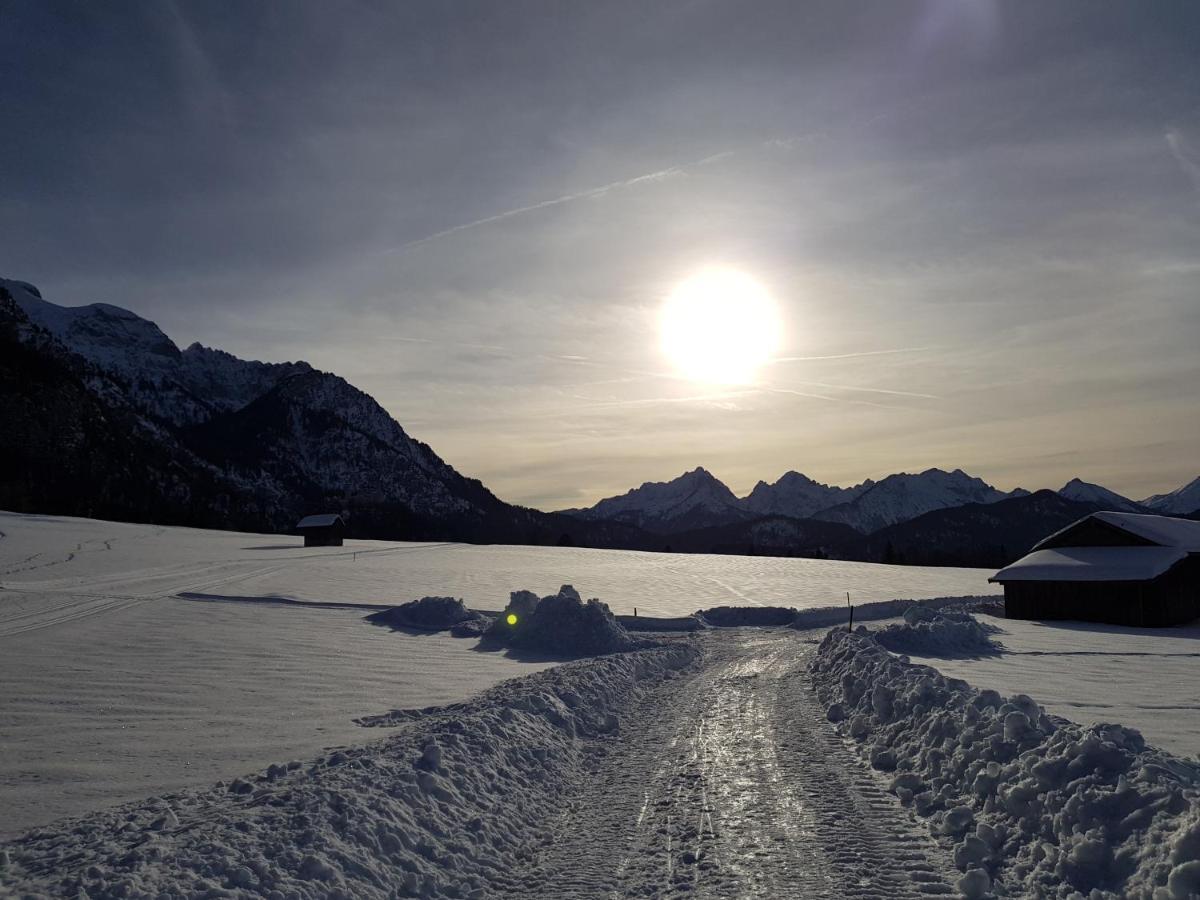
[782, 359]
[778, 390]
[847, 387]
[545, 204]
[660, 175]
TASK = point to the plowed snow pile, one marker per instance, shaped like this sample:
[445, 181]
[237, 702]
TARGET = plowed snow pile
[1036, 805]
[428, 614]
[561, 625]
[945, 633]
[447, 808]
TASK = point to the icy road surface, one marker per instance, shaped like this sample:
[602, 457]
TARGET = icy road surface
[731, 783]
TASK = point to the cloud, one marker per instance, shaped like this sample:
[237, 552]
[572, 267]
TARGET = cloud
[1184, 155]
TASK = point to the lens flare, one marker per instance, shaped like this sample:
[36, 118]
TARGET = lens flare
[511, 619]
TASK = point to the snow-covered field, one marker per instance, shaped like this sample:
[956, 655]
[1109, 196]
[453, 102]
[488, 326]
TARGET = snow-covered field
[140, 665]
[125, 672]
[46, 553]
[1141, 677]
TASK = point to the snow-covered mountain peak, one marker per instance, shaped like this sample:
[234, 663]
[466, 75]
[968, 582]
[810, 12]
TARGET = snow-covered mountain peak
[109, 336]
[904, 496]
[181, 388]
[1085, 492]
[796, 495]
[694, 499]
[1181, 501]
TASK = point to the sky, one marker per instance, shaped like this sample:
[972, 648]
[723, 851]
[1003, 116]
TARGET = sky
[979, 221]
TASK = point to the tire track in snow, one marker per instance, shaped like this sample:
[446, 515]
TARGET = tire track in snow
[730, 783]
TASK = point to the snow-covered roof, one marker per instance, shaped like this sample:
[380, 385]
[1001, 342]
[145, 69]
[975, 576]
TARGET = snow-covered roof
[319, 521]
[1092, 564]
[1164, 531]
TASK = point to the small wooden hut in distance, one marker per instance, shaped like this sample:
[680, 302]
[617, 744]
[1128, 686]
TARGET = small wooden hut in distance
[325, 530]
[1120, 568]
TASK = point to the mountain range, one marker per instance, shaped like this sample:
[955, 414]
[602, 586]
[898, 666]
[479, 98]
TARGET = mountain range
[105, 416]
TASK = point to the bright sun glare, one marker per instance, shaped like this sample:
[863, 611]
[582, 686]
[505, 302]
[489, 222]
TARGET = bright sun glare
[719, 326]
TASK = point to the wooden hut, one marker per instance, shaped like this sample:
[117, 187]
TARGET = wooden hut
[325, 530]
[1121, 568]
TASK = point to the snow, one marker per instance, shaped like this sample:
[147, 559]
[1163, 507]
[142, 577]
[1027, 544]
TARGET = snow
[1034, 805]
[1178, 502]
[1162, 530]
[943, 632]
[429, 614]
[697, 498]
[61, 554]
[124, 701]
[798, 496]
[103, 636]
[1092, 564]
[1086, 492]
[694, 499]
[322, 520]
[562, 625]
[452, 804]
[905, 496]
[1142, 677]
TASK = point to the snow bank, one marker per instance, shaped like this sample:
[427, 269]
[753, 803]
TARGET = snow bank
[449, 807]
[1035, 805]
[659, 623]
[428, 614]
[826, 616]
[561, 625]
[939, 633]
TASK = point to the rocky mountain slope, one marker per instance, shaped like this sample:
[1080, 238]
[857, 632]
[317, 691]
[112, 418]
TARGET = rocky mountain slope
[106, 414]
[990, 535]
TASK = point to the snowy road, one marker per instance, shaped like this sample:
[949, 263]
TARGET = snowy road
[732, 784]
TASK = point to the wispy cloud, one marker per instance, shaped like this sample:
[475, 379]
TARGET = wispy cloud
[1184, 155]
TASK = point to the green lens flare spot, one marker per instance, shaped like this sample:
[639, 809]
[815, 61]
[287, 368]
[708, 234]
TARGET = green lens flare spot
[511, 619]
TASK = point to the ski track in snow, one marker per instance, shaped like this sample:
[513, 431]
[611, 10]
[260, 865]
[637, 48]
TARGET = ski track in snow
[733, 784]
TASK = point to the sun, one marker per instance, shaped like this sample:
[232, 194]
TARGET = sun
[719, 326]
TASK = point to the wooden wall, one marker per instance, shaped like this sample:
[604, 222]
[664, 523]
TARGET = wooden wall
[1170, 599]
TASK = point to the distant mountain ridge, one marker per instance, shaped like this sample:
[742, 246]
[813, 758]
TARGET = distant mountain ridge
[1180, 502]
[798, 496]
[929, 518]
[106, 416]
[695, 499]
[904, 496]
